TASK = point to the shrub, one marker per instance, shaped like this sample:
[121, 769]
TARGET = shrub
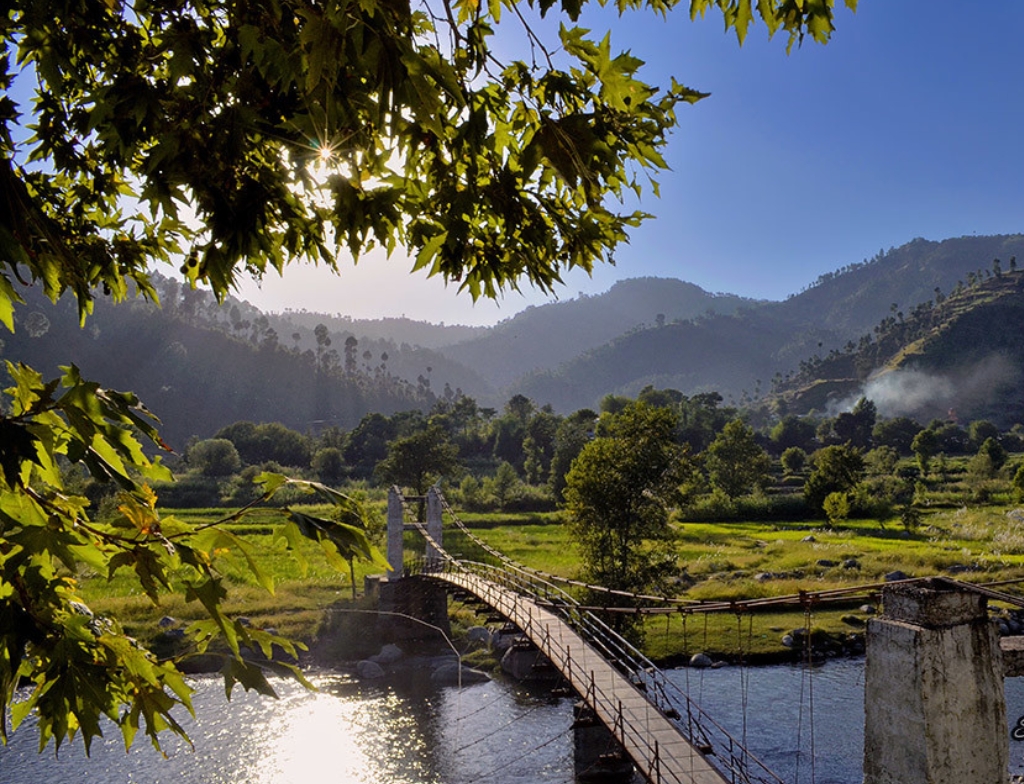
[793, 460]
[214, 457]
[329, 465]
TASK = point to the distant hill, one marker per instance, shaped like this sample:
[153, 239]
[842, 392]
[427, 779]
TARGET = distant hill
[854, 299]
[201, 366]
[948, 311]
[542, 337]
[744, 354]
[959, 357]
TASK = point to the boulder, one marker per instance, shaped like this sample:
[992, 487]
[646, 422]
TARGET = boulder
[389, 654]
[500, 641]
[895, 576]
[701, 660]
[478, 634]
[369, 670]
[449, 674]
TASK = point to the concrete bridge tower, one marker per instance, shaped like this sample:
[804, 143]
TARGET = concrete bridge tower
[935, 712]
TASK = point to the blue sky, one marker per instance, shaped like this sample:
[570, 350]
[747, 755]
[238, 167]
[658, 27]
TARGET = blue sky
[910, 123]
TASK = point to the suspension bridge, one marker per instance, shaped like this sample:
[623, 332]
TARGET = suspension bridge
[917, 727]
[666, 736]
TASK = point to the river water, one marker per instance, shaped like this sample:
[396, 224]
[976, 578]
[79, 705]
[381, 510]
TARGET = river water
[407, 731]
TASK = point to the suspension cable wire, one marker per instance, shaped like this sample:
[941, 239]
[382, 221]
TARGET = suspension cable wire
[744, 672]
[809, 637]
[685, 607]
[496, 730]
[870, 590]
[481, 709]
[706, 733]
[799, 730]
[538, 747]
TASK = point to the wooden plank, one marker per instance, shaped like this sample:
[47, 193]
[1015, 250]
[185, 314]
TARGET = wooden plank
[658, 748]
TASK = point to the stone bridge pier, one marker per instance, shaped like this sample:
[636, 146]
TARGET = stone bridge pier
[935, 710]
[412, 609]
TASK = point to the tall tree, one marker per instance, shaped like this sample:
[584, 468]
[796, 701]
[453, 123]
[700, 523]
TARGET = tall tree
[735, 462]
[835, 469]
[618, 494]
[419, 459]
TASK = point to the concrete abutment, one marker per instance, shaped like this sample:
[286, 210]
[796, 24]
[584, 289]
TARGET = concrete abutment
[935, 711]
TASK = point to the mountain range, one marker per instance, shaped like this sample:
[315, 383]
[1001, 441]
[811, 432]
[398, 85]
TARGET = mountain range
[201, 364]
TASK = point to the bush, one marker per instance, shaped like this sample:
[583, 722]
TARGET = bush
[793, 460]
[214, 457]
[329, 465]
[190, 492]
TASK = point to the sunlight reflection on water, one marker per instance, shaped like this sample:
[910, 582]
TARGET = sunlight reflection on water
[406, 731]
[401, 732]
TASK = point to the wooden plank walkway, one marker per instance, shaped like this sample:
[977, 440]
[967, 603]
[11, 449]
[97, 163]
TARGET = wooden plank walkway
[656, 746]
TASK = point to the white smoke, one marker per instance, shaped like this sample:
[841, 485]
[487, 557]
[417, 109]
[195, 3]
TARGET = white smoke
[924, 395]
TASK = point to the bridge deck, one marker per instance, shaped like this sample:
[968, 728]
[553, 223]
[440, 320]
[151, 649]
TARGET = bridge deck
[656, 746]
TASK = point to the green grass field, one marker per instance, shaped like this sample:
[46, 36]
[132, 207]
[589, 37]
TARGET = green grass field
[715, 561]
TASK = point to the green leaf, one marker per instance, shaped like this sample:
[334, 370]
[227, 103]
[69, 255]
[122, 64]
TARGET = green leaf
[8, 296]
[250, 675]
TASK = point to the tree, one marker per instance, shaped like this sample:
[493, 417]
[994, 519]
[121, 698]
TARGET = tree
[618, 494]
[736, 464]
[792, 431]
[836, 469]
[994, 452]
[573, 433]
[290, 130]
[539, 446]
[925, 446]
[793, 460]
[505, 484]
[837, 508]
[881, 461]
[980, 430]
[897, 433]
[329, 465]
[267, 442]
[420, 459]
[1018, 483]
[855, 427]
[214, 457]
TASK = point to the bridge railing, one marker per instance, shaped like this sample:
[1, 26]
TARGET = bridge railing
[703, 732]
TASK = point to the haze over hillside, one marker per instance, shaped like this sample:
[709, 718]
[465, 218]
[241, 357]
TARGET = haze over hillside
[202, 366]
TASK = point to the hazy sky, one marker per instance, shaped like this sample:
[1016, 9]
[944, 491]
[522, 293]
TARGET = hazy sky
[910, 123]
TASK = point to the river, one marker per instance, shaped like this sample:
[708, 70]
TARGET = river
[407, 731]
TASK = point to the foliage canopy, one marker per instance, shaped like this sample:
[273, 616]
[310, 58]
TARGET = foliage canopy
[618, 494]
[235, 136]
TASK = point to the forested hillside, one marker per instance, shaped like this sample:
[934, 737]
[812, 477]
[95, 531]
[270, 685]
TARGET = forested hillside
[958, 356]
[202, 366]
[541, 338]
[743, 354]
[221, 363]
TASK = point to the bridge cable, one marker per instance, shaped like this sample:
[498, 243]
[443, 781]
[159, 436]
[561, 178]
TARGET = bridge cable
[538, 747]
[808, 620]
[496, 730]
[693, 605]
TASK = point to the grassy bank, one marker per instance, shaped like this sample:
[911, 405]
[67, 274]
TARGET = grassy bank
[715, 561]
